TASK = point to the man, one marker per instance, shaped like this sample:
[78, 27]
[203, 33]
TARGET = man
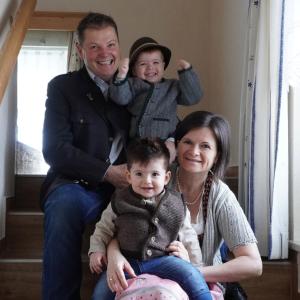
[84, 138]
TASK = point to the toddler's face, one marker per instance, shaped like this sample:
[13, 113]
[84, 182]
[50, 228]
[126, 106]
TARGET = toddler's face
[149, 180]
[149, 66]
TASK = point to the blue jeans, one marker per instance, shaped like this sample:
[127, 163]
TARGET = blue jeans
[67, 210]
[169, 267]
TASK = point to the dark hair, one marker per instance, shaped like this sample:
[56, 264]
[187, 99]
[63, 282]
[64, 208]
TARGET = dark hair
[96, 21]
[145, 149]
[221, 130]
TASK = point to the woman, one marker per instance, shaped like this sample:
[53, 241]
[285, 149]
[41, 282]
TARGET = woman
[202, 140]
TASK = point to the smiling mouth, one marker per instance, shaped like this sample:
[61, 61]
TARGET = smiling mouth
[151, 75]
[105, 62]
[193, 160]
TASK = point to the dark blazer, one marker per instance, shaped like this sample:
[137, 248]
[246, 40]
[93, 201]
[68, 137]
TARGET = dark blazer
[79, 127]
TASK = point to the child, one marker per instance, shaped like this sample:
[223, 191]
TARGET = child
[152, 100]
[147, 219]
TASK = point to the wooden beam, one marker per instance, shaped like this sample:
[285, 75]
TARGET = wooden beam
[10, 50]
[63, 21]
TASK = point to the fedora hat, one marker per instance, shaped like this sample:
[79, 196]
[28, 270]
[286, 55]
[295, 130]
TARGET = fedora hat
[147, 43]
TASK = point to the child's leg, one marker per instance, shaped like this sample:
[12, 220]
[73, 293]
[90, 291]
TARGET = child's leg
[181, 271]
[101, 290]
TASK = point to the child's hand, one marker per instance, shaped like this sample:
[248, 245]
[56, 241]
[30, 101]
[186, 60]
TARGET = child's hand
[172, 149]
[176, 248]
[97, 261]
[123, 68]
[183, 64]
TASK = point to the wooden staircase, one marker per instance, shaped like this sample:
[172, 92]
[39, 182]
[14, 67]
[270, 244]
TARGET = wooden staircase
[21, 253]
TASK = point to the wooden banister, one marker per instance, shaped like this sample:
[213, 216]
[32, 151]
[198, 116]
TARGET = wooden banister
[10, 50]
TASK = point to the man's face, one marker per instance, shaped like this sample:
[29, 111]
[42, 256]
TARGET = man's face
[100, 51]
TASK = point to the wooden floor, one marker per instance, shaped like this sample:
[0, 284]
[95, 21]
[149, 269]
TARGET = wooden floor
[21, 253]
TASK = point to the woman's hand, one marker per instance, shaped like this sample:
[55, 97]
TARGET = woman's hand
[176, 248]
[117, 265]
[97, 260]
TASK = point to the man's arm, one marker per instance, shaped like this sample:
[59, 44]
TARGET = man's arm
[71, 142]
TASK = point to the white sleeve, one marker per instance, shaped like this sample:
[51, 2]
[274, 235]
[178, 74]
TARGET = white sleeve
[104, 231]
[189, 238]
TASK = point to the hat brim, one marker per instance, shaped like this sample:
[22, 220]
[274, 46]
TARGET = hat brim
[149, 46]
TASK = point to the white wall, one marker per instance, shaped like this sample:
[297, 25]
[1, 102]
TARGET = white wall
[228, 28]
[7, 119]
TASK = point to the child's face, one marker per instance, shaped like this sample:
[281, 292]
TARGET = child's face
[148, 180]
[149, 66]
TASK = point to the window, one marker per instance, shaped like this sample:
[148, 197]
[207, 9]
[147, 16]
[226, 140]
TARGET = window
[43, 55]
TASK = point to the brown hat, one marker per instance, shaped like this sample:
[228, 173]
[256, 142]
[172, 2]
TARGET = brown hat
[147, 43]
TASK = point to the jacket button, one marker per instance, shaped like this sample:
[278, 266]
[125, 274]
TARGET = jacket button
[153, 238]
[149, 252]
[156, 220]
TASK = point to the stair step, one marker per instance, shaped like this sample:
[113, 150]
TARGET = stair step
[24, 235]
[21, 279]
[27, 191]
[274, 284]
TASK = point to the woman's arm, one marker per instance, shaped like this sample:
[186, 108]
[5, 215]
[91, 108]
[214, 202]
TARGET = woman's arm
[246, 263]
[117, 265]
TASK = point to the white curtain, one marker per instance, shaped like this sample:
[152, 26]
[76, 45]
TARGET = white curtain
[264, 129]
[74, 61]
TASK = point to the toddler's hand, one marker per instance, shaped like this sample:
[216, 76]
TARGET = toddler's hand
[97, 261]
[183, 64]
[176, 248]
[172, 149]
[123, 68]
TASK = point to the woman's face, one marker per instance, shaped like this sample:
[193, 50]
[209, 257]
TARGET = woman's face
[197, 150]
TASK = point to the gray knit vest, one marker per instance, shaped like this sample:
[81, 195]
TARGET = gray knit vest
[144, 229]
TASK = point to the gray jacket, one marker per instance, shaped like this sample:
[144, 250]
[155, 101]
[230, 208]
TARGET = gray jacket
[153, 107]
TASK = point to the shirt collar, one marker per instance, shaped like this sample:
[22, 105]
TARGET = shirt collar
[99, 81]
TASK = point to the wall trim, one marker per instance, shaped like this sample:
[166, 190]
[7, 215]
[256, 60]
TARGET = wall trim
[60, 21]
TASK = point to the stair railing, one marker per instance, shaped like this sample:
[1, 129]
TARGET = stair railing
[11, 47]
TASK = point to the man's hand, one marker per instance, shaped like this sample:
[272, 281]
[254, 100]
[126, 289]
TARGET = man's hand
[116, 175]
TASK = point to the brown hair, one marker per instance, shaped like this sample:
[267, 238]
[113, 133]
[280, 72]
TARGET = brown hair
[146, 149]
[221, 130]
[96, 21]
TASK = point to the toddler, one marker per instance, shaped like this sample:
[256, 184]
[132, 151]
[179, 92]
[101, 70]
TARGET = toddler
[147, 219]
[150, 98]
